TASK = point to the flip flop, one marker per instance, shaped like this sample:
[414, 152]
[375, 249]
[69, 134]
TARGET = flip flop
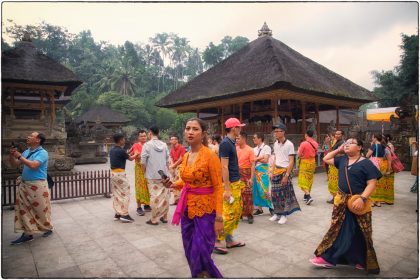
[163, 220]
[149, 222]
[220, 250]
[239, 244]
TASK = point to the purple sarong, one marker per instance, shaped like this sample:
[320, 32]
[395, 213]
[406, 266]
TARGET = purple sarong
[198, 237]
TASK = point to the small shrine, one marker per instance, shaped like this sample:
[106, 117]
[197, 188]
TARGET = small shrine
[35, 88]
[90, 135]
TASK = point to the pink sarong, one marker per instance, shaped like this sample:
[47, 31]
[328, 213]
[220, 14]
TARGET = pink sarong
[182, 203]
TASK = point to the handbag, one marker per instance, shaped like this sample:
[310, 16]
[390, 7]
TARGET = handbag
[396, 164]
[367, 204]
[375, 159]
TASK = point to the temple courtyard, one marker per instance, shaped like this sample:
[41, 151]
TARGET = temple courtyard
[88, 243]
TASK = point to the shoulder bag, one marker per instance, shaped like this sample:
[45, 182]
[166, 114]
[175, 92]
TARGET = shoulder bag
[396, 164]
[367, 204]
[375, 159]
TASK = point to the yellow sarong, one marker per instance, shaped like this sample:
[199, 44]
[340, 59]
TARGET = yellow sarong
[384, 191]
[306, 173]
[32, 207]
[142, 192]
[332, 179]
[232, 212]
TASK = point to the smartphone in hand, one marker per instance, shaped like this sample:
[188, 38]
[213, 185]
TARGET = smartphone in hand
[162, 175]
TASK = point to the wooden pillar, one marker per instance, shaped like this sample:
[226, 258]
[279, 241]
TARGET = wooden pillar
[289, 109]
[12, 108]
[274, 106]
[52, 110]
[240, 111]
[318, 125]
[42, 106]
[223, 121]
[337, 123]
[303, 117]
[198, 113]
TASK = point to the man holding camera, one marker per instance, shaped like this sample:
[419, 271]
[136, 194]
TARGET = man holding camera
[33, 205]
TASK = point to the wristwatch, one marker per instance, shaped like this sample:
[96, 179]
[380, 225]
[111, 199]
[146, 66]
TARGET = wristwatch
[363, 198]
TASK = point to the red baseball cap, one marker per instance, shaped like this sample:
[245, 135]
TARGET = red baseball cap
[232, 122]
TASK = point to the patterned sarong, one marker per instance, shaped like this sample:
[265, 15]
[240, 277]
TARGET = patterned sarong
[198, 238]
[232, 212]
[175, 178]
[33, 207]
[332, 179]
[283, 197]
[248, 206]
[337, 232]
[260, 186]
[142, 192]
[121, 192]
[306, 173]
[384, 191]
[159, 198]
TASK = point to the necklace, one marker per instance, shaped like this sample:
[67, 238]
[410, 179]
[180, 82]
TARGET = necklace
[348, 166]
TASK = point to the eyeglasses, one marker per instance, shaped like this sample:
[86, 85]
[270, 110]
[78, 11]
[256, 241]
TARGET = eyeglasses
[348, 143]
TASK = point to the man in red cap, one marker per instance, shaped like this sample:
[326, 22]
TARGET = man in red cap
[232, 202]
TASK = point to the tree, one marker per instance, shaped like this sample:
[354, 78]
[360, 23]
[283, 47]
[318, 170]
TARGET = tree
[212, 55]
[403, 81]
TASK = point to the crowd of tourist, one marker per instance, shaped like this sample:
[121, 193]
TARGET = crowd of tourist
[217, 181]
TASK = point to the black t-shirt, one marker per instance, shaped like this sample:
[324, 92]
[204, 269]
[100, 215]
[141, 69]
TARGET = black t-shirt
[359, 173]
[337, 145]
[227, 149]
[378, 150]
[118, 157]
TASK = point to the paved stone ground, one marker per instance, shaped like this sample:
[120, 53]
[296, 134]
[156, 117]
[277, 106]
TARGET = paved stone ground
[88, 243]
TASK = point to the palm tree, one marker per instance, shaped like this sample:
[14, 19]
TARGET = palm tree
[105, 77]
[162, 42]
[180, 51]
[124, 78]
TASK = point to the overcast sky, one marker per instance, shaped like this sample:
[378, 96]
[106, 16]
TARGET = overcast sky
[351, 39]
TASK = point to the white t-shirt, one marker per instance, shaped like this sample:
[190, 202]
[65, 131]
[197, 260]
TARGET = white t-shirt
[265, 150]
[282, 153]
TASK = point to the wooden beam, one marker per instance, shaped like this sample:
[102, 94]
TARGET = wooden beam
[198, 113]
[318, 125]
[279, 93]
[240, 111]
[52, 110]
[33, 86]
[303, 105]
[42, 106]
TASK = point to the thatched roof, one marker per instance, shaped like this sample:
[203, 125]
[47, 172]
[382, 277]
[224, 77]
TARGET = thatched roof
[25, 64]
[102, 114]
[264, 64]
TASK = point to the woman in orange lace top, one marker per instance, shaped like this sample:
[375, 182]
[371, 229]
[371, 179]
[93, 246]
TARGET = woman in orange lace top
[200, 206]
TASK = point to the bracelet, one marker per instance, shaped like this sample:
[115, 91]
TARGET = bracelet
[219, 219]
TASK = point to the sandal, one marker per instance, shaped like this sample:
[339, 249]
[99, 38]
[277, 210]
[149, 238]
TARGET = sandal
[239, 244]
[220, 250]
[163, 220]
[149, 222]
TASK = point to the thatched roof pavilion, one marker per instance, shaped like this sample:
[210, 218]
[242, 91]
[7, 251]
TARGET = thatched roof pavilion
[33, 83]
[267, 77]
[103, 115]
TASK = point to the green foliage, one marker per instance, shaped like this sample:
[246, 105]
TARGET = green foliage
[401, 84]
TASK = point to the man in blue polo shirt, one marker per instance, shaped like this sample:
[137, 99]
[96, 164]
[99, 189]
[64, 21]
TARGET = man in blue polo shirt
[232, 202]
[33, 205]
